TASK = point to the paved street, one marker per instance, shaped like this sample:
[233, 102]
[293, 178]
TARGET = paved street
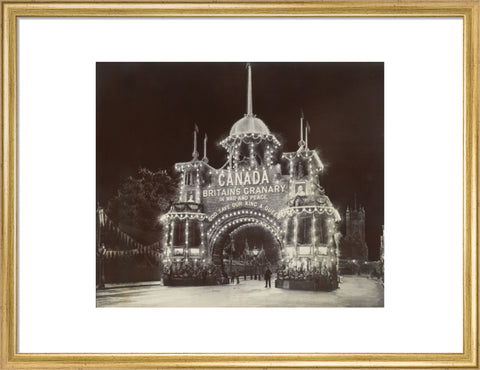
[354, 291]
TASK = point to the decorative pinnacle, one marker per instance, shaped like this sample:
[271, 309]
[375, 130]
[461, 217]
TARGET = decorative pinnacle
[195, 132]
[301, 143]
[249, 91]
[205, 159]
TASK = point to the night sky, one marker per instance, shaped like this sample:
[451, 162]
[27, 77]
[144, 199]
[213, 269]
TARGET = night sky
[146, 113]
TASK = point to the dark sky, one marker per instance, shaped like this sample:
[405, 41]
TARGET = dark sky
[146, 113]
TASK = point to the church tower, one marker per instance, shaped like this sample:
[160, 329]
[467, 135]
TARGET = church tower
[353, 245]
[356, 223]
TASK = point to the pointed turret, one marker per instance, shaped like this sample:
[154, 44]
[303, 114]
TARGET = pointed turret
[205, 159]
[195, 132]
[301, 143]
[307, 131]
[249, 127]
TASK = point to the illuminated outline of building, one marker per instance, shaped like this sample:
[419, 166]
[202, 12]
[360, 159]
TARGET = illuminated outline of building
[250, 189]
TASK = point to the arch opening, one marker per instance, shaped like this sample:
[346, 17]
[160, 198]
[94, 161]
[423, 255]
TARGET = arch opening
[247, 250]
[245, 242]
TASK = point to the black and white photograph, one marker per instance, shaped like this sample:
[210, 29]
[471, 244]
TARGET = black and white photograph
[239, 184]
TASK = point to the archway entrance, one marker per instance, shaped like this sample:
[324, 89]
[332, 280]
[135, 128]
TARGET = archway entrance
[245, 241]
[249, 250]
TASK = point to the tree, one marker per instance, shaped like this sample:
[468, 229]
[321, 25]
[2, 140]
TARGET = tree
[352, 247]
[140, 201]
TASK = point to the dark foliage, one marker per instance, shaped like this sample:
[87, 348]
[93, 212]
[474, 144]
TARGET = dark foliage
[140, 201]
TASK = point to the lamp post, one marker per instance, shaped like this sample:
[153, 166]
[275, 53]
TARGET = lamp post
[101, 250]
[101, 254]
[255, 254]
[244, 265]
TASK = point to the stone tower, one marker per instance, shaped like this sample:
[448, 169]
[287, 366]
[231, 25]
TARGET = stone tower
[353, 245]
[356, 223]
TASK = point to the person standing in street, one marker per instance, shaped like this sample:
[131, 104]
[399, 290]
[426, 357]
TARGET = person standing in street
[268, 275]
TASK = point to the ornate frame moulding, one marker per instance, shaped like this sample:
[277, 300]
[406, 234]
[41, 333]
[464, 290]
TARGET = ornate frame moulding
[467, 10]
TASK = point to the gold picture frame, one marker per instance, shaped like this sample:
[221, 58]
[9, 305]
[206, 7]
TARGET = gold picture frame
[467, 10]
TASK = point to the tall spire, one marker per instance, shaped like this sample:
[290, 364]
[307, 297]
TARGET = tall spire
[301, 126]
[307, 131]
[301, 143]
[249, 91]
[205, 159]
[195, 132]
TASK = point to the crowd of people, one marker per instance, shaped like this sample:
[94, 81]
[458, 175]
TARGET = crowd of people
[211, 274]
[235, 277]
[203, 274]
[320, 276]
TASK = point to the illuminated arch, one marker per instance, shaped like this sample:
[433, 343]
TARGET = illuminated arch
[228, 221]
